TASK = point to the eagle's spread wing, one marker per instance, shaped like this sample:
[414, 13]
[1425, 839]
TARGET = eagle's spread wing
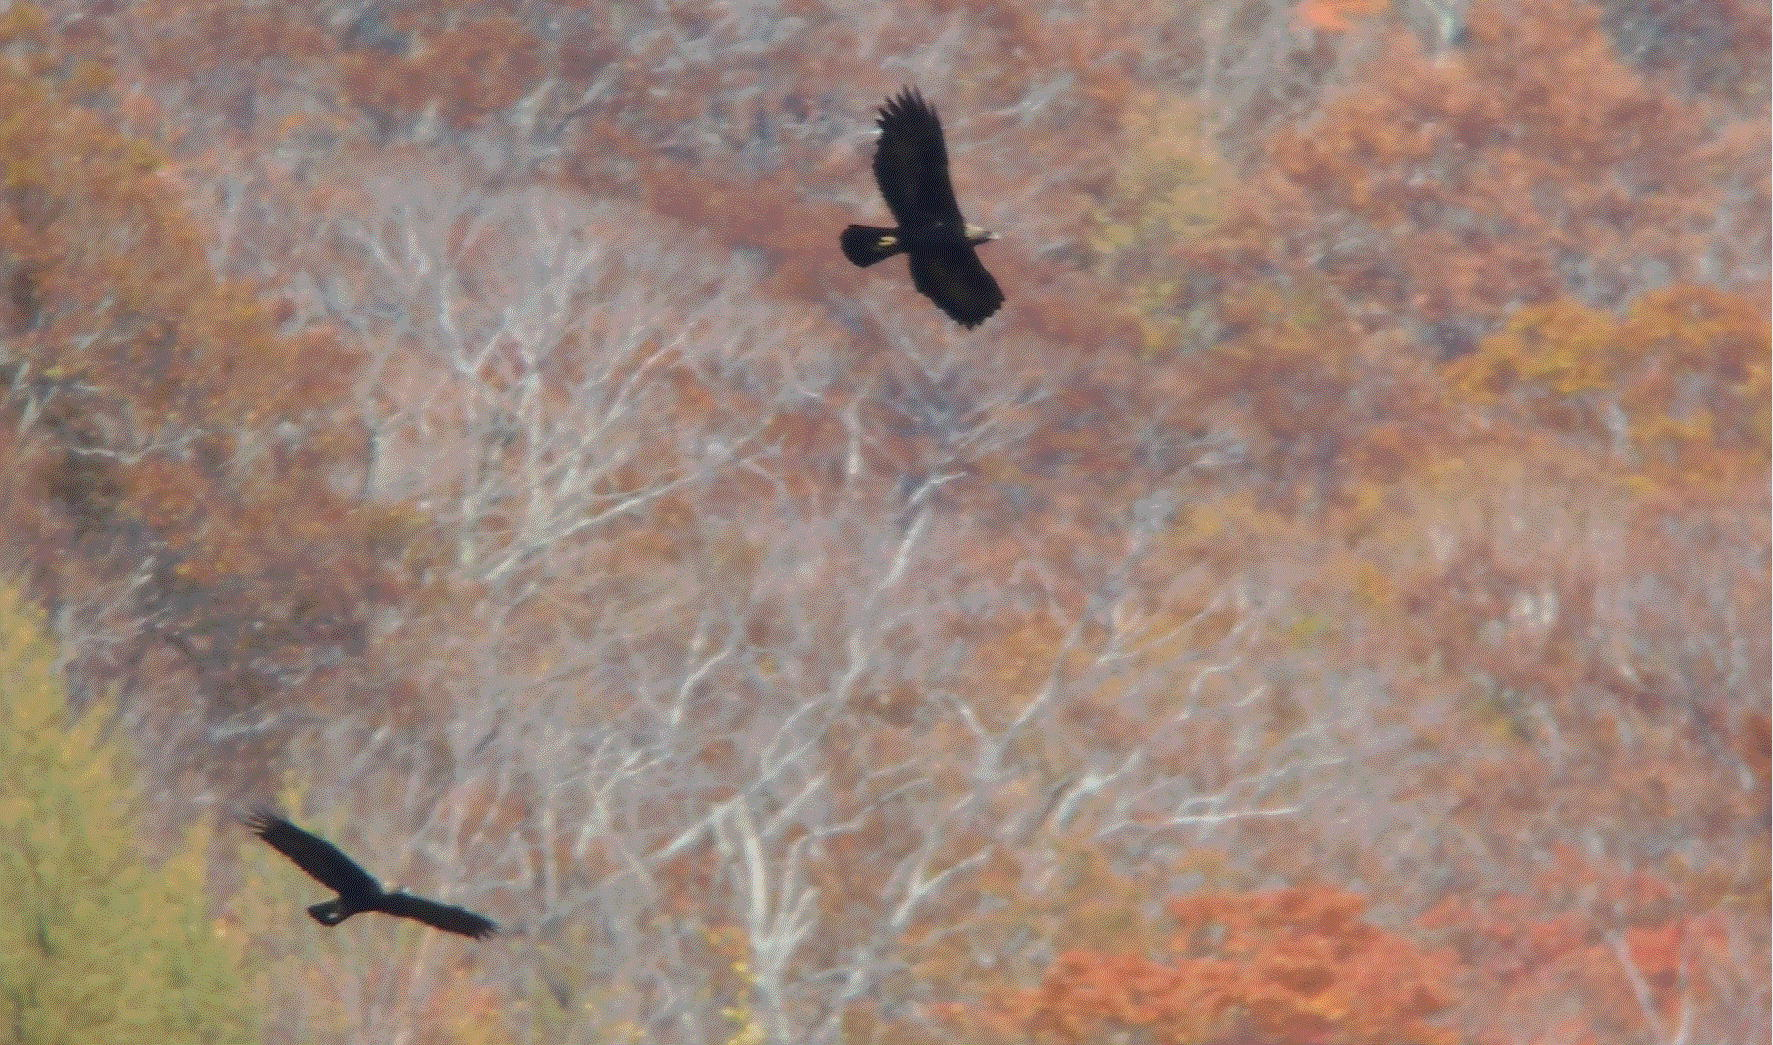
[441, 915]
[315, 855]
[911, 163]
[956, 281]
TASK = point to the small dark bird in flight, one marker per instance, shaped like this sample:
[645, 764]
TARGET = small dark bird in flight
[358, 889]
[911, 165]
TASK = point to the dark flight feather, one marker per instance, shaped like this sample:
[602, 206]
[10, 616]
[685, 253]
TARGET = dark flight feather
[911, 162]
[325, 862]
[358, 890]
[441, 915]
[956, 280]
[911, 167]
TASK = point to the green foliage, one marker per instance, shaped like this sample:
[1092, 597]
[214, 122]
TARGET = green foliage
[98, 944]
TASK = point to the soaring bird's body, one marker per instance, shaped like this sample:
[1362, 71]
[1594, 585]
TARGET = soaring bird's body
[358, 889]
[911, 166]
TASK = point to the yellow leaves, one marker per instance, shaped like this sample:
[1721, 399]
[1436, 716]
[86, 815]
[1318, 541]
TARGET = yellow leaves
[29, 664]
[627, 1031]
[1168, 192]
[88, 77]
[1308, 628]
[1564, 346]
[1338, 16]
[102, 945]
[748, 1030]
[21, 21]
[1173, 179]
[1676, 388]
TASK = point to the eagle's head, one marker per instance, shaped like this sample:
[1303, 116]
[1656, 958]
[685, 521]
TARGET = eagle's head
[975, 234]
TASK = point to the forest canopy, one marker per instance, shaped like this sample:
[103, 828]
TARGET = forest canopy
[1327, 603]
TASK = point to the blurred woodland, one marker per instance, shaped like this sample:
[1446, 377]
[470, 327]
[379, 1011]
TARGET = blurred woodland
[1328, 605]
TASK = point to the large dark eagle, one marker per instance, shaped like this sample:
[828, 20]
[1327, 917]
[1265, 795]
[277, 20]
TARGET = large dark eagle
[358, 889]
[911, 165]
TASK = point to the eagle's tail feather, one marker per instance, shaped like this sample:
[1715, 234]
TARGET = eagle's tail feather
[865, 244]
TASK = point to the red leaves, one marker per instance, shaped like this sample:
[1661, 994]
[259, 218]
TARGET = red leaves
[1628, 949]
[1338, 16]
[1290, 965]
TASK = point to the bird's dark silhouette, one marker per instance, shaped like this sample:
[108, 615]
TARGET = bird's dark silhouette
[911, 165]
[358, 889]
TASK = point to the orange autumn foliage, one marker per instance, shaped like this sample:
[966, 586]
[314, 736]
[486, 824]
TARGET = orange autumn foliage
[1675, 388]
[1445, 190]
[160, 429]
[1365, 486]
[1296, 965]
[1338, 16]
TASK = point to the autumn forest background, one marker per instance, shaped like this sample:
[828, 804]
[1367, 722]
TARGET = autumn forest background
[1327, 606]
